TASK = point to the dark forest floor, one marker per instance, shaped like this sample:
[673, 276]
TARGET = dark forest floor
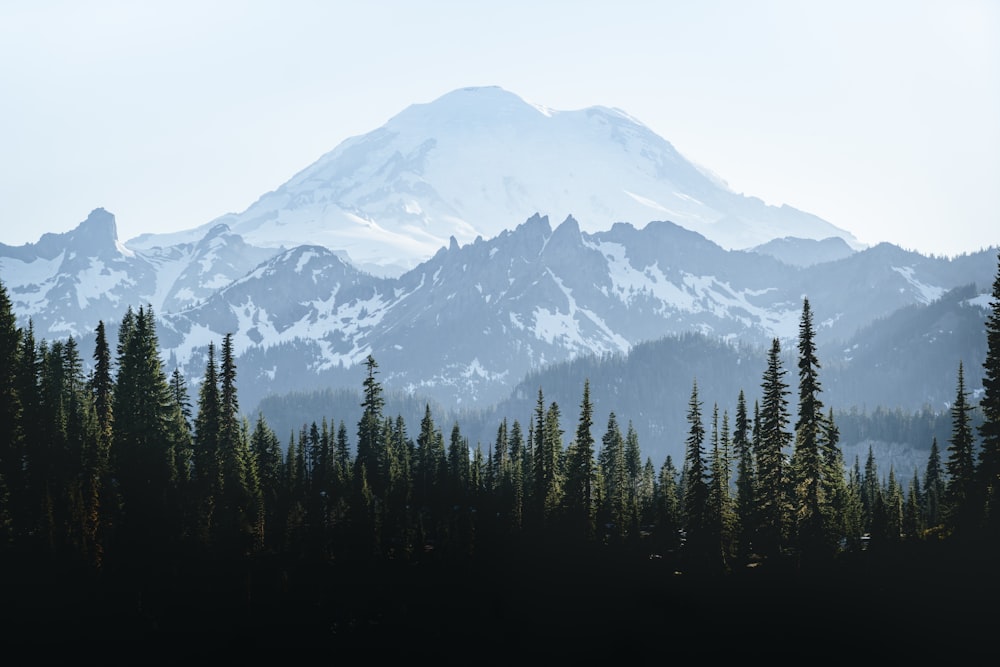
[918, 602]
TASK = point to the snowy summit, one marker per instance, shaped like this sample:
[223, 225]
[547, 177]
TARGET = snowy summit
[477, 161]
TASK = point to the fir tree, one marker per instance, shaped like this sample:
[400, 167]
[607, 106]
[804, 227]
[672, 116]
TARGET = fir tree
[836, 499]
[988, 467]
[612, 467]
[668, 507]
[806, 467]
[268, 459]
[853, 513]
[934, 488]
[96, 465]
[746, 514]
[144, 443]
[696, 486]
[962, 509]
[634, 475]
[11, 471]
[581, 473]
[771, 455]
[207, 478]
[371, 449]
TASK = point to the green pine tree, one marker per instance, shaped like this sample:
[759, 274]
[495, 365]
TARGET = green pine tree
[775, 438]
[988, 466]
[581, 475]
[962, 510]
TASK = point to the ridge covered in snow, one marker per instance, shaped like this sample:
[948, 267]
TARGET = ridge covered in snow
[477, 161]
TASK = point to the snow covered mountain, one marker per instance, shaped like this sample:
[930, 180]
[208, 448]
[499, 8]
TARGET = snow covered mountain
[476, 161]
[428, 245]
[467, 324]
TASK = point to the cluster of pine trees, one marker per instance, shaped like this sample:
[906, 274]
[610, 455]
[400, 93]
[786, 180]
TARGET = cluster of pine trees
[118, 474]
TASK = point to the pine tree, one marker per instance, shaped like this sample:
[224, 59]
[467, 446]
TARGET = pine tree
[720, 509]
[668, 507]
[581, 474]
[612, 466]
[431, 467]
[854, 527]
[370, 485]
[24, 512]
[870, 490]
[960, 493]
[634, 479]
[934, 488]
[552, 439]
[912, 514]
[696, 487]
[144, 443]
[11, 442]
[233, 448]
[834, 487]
[268, 457]
[771, 455]
[894, 507]
[207, 478]
[517, 460]
[806, 469]
[458, 463]
[988, 467]
[547, 438]
[746, 514]
[96, 465]
[371, 450]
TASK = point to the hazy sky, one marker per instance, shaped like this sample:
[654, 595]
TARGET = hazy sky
[882, 117]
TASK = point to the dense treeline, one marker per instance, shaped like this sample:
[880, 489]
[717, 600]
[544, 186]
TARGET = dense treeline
[125, 485]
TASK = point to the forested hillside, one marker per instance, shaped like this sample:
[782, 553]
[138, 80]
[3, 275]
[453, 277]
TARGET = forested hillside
[133, 506]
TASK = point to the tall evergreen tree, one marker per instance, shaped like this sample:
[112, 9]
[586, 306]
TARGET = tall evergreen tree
[370, 464]
[962, 508]
[552, 448]
[517, 459]
[720, 510]
[612, 467]
[144, 444]
[547, 439]
[207, 478]
[854, 527]
[806, 469]
[431, 466]
[581, 474]
[894, 506]
[96, 465]
[912, 512]
[746, 510]
[268, 458]
[934, 488]
[775, 438]
[988, 467]
[11, 458]
[668, 507]
[371, 449]
[870, 490]
[834, 487]
[23, 509]
[634, 475]
[696, 487]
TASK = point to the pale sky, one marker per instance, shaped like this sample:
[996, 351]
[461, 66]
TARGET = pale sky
[882, 117]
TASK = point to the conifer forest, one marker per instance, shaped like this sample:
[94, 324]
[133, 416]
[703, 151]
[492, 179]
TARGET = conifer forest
[137, 512]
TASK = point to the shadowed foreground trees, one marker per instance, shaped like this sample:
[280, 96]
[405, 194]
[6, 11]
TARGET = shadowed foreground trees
[123, 508]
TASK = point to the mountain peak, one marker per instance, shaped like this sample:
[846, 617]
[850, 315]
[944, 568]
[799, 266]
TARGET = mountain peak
[97, 235]
[476, 161]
